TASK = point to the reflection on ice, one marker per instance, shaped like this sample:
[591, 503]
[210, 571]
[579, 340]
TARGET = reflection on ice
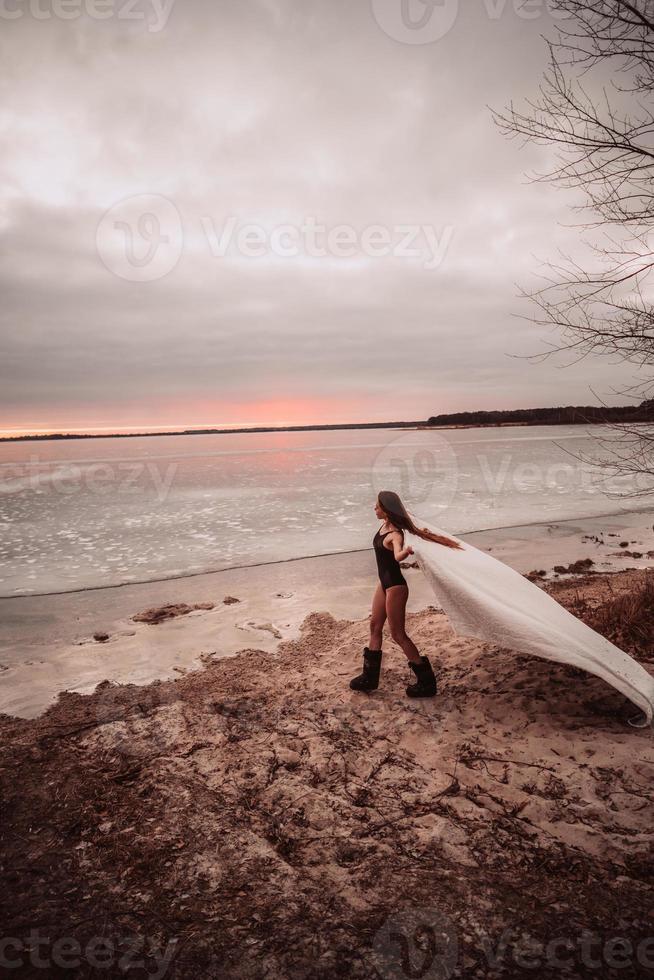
[82, 514]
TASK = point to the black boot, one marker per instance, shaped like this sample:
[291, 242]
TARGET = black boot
[368, 679]
[425, 686]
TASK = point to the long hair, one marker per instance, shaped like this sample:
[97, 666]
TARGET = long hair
[398, 515]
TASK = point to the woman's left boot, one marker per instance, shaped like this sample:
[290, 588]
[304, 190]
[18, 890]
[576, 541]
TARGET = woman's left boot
[425, 686]
[368, 679]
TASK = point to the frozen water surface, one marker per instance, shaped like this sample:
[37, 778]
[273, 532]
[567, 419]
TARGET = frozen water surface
[99, 512]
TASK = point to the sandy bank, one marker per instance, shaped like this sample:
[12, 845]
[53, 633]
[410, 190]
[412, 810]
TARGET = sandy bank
[47, 645]
[256, 818]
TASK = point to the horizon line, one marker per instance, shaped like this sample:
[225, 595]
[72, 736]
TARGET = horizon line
[92, 433]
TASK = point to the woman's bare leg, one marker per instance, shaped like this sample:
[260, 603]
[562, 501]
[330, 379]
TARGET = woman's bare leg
[377, 618]
[396, 599]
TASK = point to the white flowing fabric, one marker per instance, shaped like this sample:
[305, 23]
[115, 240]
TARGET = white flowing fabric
[487, 599]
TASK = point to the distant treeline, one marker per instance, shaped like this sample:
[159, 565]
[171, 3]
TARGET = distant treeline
[569, 415]
[210, 432]
[564, 415]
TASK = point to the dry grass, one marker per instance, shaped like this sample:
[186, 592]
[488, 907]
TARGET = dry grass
[628, 619]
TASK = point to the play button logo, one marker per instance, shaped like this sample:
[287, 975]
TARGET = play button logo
[416, 21]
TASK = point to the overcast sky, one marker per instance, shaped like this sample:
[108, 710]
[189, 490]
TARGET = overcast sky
[393, 222]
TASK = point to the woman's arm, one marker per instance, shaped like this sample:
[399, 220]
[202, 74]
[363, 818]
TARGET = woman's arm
[400, 553]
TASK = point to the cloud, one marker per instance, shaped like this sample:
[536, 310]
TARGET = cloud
[270, 113]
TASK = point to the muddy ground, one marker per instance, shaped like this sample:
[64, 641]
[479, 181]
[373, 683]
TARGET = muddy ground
[257, 819]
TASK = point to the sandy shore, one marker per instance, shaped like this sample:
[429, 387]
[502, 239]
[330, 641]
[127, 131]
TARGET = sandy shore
[255, 818]
[47, 643]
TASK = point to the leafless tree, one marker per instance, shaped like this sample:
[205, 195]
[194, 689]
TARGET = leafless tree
[595, 109]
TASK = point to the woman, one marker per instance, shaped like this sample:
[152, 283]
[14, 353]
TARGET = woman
[486, 599]
[391, 594]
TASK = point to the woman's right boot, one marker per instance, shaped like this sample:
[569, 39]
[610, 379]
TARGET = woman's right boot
[368, 679]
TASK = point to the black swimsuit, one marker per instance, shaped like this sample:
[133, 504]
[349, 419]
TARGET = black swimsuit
[388, 566]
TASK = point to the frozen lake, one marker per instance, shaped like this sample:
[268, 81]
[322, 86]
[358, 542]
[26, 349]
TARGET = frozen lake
[101, 512]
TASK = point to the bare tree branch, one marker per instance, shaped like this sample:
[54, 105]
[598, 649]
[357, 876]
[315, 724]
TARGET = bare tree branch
[595, 108]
